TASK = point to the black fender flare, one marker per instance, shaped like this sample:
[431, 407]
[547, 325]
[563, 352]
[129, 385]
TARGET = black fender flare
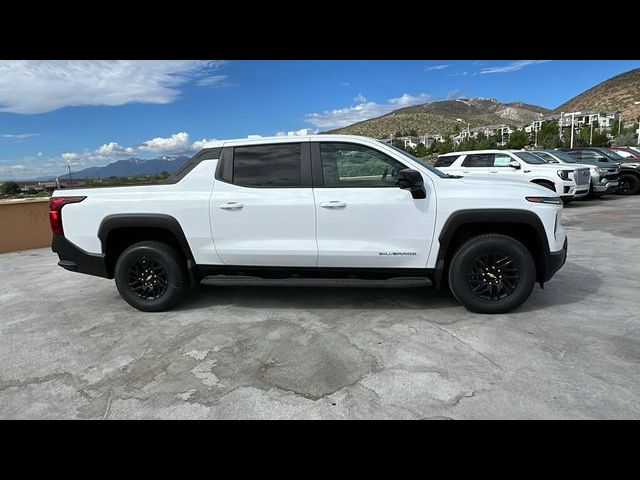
[145, 220]
[475, 216]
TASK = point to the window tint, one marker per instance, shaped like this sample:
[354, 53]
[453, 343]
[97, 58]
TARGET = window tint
[501, 160]
[275, 165]
[350, 165]
[478, 160]
[446, 161]
[530, 158]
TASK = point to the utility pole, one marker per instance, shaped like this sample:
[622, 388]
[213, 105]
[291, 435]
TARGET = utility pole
[70, 178]
[573, 116]
[591, 134]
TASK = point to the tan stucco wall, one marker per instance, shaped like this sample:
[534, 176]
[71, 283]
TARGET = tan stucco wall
[24, 224]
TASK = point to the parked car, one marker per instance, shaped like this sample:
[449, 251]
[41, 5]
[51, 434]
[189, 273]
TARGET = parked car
[321, 210]
[514, 165]
[609, 170]
[600, 182]
[627, 152]
[629, 175]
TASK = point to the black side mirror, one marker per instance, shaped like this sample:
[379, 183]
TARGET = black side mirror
[410, 179]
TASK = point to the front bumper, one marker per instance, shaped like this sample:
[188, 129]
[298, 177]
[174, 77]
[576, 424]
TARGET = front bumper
[554, 261]
[74, 259]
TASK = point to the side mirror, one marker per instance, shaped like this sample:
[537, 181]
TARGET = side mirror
[514, 164]
[410, 179]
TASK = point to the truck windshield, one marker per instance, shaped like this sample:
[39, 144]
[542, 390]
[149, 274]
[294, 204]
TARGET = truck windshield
[422, 162]
[529, 157]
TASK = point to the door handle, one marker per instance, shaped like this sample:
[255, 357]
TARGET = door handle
[333, 204]
[231, 206]
[493, 171]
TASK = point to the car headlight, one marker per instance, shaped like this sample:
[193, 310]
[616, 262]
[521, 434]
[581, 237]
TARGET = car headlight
[563, 174]
[551, 200]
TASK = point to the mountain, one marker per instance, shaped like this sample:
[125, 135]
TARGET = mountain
[617, 94]
[443, 116]
[132, 167]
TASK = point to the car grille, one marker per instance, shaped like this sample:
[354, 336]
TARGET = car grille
[583, 175]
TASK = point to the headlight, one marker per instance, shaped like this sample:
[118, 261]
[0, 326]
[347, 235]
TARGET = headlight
[551, 200]
[563, 174]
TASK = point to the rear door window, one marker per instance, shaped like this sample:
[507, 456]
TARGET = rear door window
[478, 160]
[276, 165]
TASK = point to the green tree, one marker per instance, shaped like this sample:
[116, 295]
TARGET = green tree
[548, 136]
[446, 146]
[518, 139]
[9, 188]
[421, 151]
[397, 143]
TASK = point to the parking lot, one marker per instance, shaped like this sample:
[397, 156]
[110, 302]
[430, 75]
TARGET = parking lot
[70, 347]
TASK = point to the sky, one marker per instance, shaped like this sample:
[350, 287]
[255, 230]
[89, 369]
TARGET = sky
[55, 113]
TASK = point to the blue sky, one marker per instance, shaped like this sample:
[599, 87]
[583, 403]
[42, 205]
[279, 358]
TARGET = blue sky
[94, 112]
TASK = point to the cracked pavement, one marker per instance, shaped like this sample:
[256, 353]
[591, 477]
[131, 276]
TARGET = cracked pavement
[71, 348]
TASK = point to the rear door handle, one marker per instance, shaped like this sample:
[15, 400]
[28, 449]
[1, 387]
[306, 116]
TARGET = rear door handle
[231, 206]
[333, 204]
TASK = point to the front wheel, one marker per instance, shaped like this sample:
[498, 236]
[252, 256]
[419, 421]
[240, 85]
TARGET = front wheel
[151, 276]
[492, 274]
[629, 184]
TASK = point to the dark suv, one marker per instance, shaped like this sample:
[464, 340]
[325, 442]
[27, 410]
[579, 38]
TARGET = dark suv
[629, 181]
[609, 169]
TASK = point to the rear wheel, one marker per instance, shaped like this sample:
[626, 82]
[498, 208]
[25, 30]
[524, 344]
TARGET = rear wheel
[629, 184]
[492, 274]
[151, 276]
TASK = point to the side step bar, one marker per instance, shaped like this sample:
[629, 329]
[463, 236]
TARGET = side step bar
[249, 281]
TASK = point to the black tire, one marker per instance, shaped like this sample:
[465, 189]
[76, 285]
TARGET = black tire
[629, 184]
[151, 276]
[465, 276]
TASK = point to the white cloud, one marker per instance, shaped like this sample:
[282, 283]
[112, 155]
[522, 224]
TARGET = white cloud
[512, 67]
[360, 98]
[204, 143]
[177, 142]
[39, 86]
[454, 94]
[345, 84]
[342, 117]
[431, 68]
[70, 156]
[211, 81]
[19, 136]
[39, 154]
[113, 149]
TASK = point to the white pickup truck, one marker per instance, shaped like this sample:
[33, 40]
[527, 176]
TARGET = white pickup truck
[517, 166]
[320, 210]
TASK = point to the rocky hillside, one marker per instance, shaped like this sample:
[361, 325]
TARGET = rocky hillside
[442, 116]
[616, 94]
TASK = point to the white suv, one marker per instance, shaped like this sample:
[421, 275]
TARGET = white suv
[318, 210]
[515, 165]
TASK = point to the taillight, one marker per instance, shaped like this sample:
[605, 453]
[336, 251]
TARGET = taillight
[55, 209]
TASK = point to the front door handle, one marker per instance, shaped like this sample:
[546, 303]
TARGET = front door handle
[333, 204]
[231, 206]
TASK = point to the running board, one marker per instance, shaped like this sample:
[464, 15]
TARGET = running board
[241, 280]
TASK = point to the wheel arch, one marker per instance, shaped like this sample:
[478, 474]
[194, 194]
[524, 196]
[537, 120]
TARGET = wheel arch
[523, 225]
[119, 231]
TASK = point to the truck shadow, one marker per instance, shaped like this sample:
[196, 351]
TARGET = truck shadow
[572, 284]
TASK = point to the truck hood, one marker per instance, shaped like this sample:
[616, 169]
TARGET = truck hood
[525, 188]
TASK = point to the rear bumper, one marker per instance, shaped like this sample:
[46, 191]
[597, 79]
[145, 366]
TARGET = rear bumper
[74, 259]
[554, 261]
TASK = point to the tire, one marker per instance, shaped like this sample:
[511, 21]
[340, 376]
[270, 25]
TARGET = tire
[629, 184]
[491, 250]
[140, 261]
